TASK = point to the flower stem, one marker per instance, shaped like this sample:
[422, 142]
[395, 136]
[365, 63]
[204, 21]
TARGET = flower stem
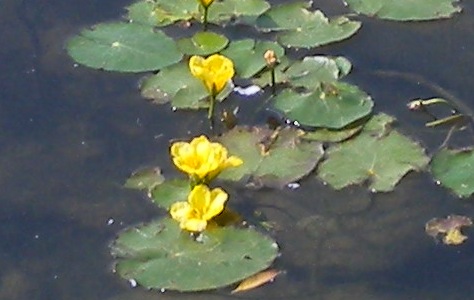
[210, 112]
[206, 8]
[272, 83]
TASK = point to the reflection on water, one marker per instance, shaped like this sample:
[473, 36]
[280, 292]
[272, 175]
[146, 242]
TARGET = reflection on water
[71, 135]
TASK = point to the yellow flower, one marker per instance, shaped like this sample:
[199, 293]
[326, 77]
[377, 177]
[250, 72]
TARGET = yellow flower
[214, 71]
[201, 159]
[206, 3]
[202, 205]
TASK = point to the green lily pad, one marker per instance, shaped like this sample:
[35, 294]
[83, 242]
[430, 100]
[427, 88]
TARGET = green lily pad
[302, 28]
[452, 168]
[169, 192]
[331, 135]
[405, 10]
[177, 85]
[378, 155]
[247, 55]
[335, 105]
[314, 70]
[162, 13]
[164, 86]
[229, 9]
[271, 158]
[145, 179]
[203, 43]
[161, 256]
[124, 47]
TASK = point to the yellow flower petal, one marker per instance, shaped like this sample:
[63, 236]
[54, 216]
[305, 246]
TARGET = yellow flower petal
[194, 225]
[218, 199]
[214, 71]
[206, 3]
[234, 161]
[203, 204]
[201, 159]
[180, 211]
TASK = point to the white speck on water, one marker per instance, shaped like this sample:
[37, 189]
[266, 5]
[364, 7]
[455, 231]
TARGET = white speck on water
[247, 91]
[174, 108]
[133, 282]
[162, 290]
[37, 236]
[293, 185]
[438, 182]
[199, 238]
[75, 65]
[110, 221]
[275, 245]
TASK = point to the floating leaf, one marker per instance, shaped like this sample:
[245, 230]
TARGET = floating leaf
[229, 9]
[145, 179]
[271, 158]
[379, 155]
[161, 256]
[335, 105]
[164, 86]
[123, 47]
[452, 168]
[405, 10]
[176, 84]
[256, 280]
[161, 12]
[169, 192]
[331, 135]
[302, 28]
[203, 43]
[312, 71]
[450, 227]
[247, 55]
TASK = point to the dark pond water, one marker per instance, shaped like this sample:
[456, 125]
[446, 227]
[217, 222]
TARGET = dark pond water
[71, 135]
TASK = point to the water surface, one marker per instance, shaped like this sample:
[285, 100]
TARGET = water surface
[71, 135]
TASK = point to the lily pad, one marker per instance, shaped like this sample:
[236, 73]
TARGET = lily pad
[177, 85]
[334, 136]
[124, 47]
[379, 155]
[247, 55]
[169, 192]
[229, 9]
[314, 70]
[302, 28]
[271, 158]
[145, 179]
[162, 13]
[405, 10]
[453, 169]
[161, 256]
[163, 86]
[335, 105]
[203, 43]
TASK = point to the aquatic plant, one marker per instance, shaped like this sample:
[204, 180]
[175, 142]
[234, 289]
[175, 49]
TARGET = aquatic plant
[328, 130]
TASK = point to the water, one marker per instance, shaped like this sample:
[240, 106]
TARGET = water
[71, 135]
